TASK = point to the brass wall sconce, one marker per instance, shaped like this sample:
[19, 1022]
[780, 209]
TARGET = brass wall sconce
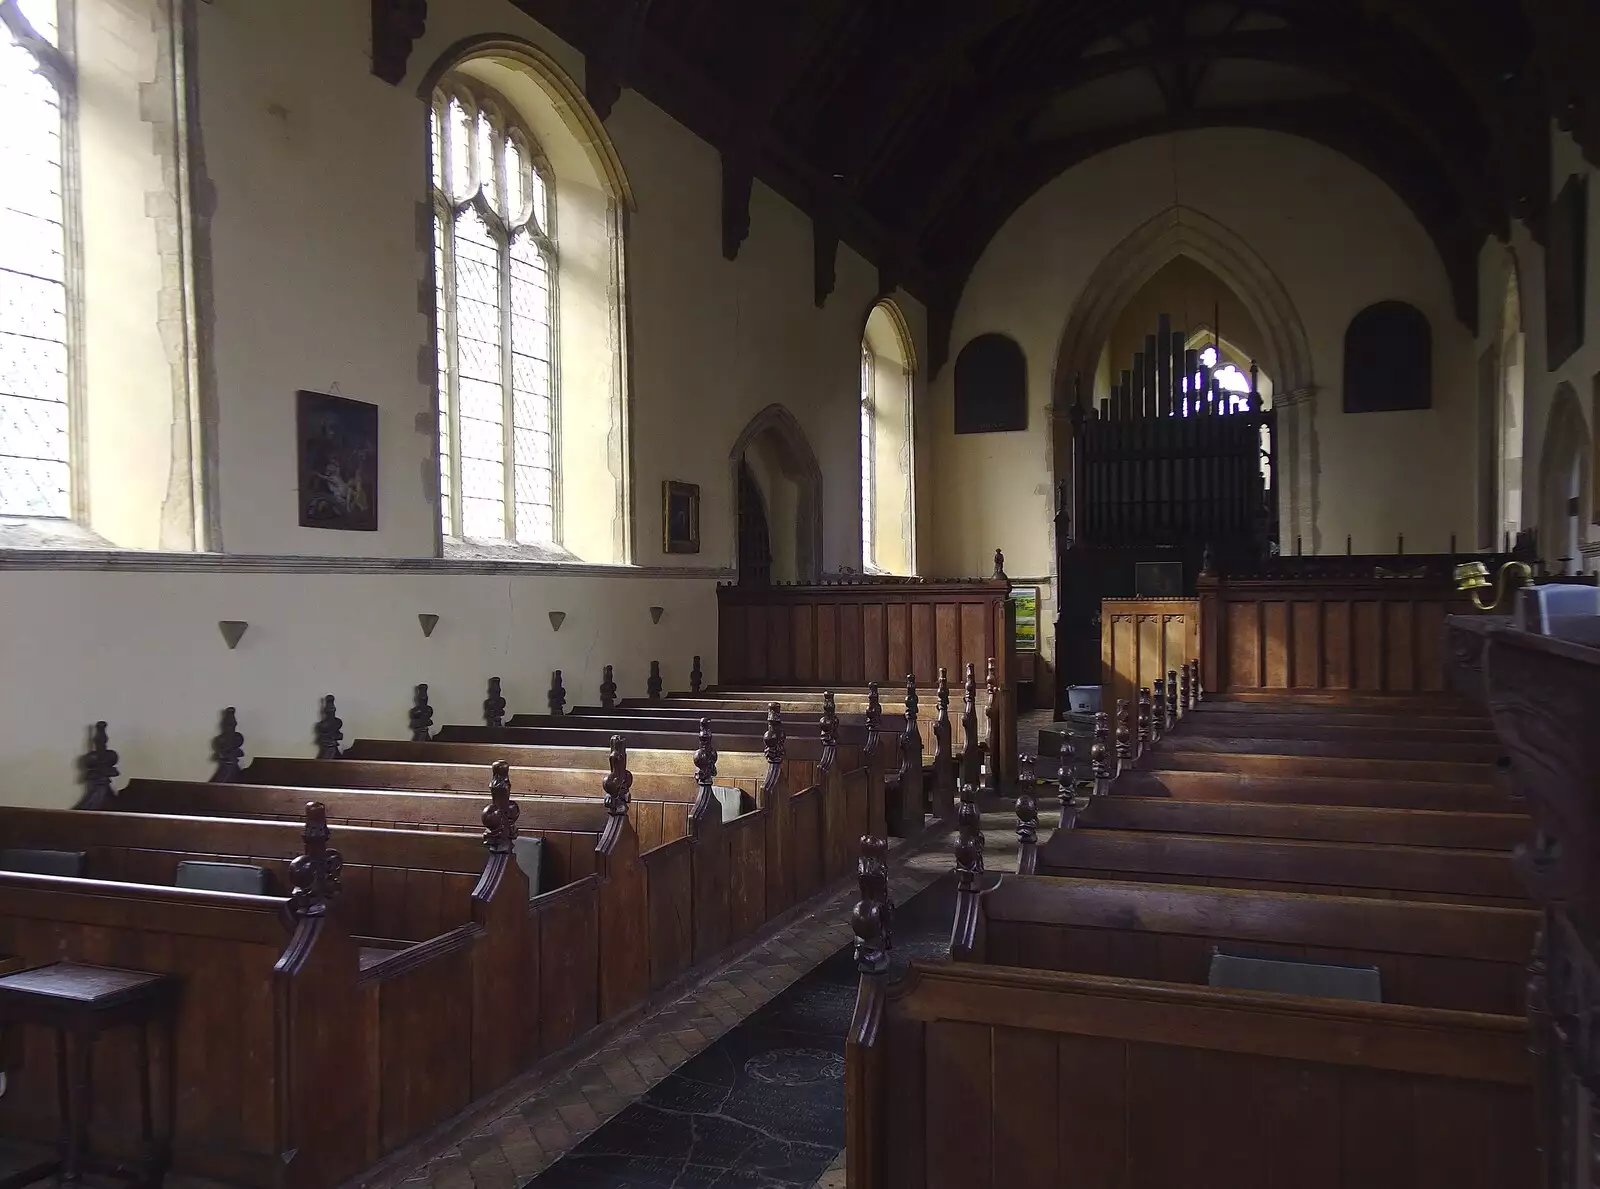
[1473, 576]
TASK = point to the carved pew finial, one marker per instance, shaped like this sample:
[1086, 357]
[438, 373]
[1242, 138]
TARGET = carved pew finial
[912, 705]
[494, 706]
[872, 921]
[1000, 565]
[557, 698]
[1173, 708]
[97, 768]
[697, 679]
[970, 756]
[608, 689]
[944, 764]
[1158, 711]
[991, 735]
[501, 814]
[874, 708]
[1184, 691]
[314, 873]
[227, 749]
[653, 686]
[1199, 684]
[828, 724]
[1067, 783]
[421, 717]
[705, 772]
[1100, 766]
[329, 730]
[1124, 734]
[1028, 817]
[774, 742]
[1142, 714]
[618, 782]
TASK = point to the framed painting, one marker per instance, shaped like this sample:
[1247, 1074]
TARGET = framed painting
[337, 452]
[1026, 601]
[680, 517]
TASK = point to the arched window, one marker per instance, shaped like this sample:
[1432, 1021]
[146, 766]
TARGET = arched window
[869, 464]
[495, 270]
[1510, 400]
[888, 456]
[36, 336]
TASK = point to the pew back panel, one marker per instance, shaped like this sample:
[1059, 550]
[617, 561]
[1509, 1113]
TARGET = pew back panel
[1150, 1085]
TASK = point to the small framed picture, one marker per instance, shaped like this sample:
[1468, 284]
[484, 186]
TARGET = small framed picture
[680, 517]
[1026, 601]
[338, 459]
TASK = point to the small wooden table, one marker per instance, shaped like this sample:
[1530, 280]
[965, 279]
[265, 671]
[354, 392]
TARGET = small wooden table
[79, 1003]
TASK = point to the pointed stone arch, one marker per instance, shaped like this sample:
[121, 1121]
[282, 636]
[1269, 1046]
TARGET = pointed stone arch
[1184, 231]
[587, 129]
[777, 429]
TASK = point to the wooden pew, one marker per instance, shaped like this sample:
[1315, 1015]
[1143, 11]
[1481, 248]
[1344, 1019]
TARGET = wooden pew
[808, 821]
[1326, 823]
[1480, 796]
[1133, 1081]
[1313, 866]
[297, 1061]
[685, 882]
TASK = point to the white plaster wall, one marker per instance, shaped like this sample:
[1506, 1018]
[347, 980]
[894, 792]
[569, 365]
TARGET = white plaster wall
[143, 652]
[1338, 240]
[1579, 370]
[317, 170]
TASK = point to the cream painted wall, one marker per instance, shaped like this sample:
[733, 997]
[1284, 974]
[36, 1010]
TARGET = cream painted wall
[143, 652]
[1540, 384]
[1335, 237]
[319, 243]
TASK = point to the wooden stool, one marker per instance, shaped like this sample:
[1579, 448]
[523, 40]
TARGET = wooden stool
[80, 1002]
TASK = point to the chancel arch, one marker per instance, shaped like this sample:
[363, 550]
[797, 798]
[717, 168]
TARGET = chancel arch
[776, 485]
[530, 217]
[887, 443]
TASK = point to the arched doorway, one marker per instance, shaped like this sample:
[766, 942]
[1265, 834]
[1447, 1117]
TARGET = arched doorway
[755, 539]
[773, 456]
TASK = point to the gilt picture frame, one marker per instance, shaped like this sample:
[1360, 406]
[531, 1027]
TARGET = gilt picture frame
[680, 517]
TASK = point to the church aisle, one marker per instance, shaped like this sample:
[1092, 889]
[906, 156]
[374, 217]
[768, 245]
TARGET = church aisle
[513, 1140]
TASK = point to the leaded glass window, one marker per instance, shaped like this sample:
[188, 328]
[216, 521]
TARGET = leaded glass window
[36, 90]
[495, 263]
[869, 463]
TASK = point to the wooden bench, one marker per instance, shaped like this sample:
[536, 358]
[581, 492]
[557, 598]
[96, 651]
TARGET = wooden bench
[297, 1063]
[1196, 785]
[808, 824]
[1463, 957]
[1133, 1081]
[1327, 823]
[1332, 868]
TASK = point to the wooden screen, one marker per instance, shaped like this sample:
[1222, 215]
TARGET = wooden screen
[1370, 635]
[846, 635]
[1141, 640]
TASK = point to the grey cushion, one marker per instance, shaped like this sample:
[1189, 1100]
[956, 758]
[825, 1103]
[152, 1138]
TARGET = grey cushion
[530, 857]
[1295, 978]
[731, 800]
[44, 862]
[245, 878]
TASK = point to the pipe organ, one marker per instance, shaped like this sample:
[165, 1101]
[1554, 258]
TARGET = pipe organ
[1178, 451]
